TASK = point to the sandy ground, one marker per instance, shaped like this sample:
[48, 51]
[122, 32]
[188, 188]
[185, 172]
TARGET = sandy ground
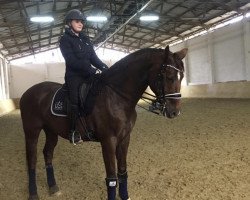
[202, 155]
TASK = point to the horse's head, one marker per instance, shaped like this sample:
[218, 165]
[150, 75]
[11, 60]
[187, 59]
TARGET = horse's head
[165, 81]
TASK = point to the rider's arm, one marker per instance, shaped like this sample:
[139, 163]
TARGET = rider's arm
[95, 61]
[72, 61]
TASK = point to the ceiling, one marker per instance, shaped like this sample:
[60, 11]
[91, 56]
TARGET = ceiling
[123, 31]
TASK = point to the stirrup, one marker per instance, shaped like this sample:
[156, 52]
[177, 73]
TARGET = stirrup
[72, 138]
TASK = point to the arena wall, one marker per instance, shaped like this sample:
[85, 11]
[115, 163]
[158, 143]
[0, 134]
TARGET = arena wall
[26, 75]
[217, 65]
[236, 89]
[23, 76]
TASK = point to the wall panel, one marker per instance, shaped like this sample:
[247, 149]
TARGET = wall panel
[24, 76]
[229, 54]
[199, 64]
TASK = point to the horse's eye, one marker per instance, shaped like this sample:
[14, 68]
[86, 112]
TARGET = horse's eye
[171, 79]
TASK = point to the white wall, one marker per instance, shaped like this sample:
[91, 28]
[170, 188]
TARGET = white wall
[26, 75]
[23, 76]
[219, 56]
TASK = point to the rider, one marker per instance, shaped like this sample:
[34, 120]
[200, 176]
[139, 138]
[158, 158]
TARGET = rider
[79, 54]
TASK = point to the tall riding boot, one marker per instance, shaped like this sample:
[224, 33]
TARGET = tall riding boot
[74, 136]
[85, 87]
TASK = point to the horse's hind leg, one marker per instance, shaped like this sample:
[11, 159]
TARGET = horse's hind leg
[48, 150]
[31, 139]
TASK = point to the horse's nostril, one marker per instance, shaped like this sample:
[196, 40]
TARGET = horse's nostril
[175, 114]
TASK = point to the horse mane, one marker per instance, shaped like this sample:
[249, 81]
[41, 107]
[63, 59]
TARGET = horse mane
[124, 62]
[125, 67]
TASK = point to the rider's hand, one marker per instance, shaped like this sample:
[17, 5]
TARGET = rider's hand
[104, 67]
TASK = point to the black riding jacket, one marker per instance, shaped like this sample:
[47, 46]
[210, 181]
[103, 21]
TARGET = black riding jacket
[79, 54]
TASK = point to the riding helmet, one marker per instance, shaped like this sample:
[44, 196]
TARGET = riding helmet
[74, 14]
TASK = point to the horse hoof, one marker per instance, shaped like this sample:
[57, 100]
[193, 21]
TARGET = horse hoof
[33, 197]
[54, 191]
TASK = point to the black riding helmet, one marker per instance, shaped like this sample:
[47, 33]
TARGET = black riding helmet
[74, 14]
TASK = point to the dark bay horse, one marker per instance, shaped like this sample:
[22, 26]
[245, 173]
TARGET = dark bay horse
[113, 115]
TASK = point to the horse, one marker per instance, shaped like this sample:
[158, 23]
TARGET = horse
[112, 117]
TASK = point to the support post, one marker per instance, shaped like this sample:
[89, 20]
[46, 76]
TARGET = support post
[246, 35]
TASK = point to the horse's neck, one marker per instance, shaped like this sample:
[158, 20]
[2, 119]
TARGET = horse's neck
[130, 81]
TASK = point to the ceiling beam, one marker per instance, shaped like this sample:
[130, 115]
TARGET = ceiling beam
[36, 50]
[26, 43]
[26, 26]
[18, 28]
[123, 25]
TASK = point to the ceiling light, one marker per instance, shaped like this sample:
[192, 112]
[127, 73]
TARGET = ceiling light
[97, 18]
[149, 17]
[42, 19]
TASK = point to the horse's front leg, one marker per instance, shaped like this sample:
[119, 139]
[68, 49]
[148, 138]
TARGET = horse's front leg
[121, 155]
[48, 150]
[109, 155]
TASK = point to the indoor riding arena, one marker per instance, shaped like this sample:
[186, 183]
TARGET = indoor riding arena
[201, 154]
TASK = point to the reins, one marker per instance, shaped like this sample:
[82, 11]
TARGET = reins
[154, 104]
[151, 108]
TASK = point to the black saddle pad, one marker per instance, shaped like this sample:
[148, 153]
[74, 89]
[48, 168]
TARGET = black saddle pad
[59, 103]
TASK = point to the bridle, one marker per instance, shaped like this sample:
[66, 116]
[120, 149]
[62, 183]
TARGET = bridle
[156, 102]
[161, 76]
[159, 100]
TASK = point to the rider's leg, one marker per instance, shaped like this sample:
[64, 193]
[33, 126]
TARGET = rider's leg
[73, 84]
[74, 136]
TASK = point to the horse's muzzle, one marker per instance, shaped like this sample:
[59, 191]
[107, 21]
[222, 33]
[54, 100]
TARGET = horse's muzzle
[171, 113]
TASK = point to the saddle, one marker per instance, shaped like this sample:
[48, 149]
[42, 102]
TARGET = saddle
[60, 102]
[60, 105]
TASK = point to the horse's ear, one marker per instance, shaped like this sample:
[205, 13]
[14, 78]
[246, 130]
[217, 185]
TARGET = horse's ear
[167, 50]
[182, 53]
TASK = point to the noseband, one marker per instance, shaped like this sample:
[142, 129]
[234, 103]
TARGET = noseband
[158, 103]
